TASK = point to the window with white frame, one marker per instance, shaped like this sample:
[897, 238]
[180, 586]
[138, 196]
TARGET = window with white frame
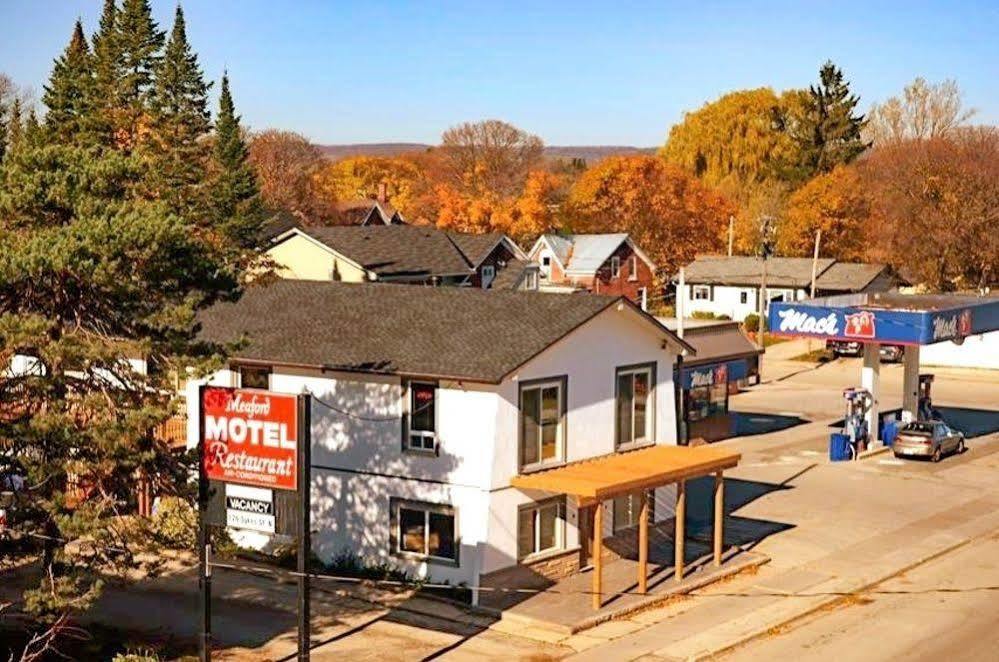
[542, 425]
[531, 280]
[254, 377]
[424, 530]
[615, 266]
[488, 273]
[627, 510]
[540, 527]
[633, 268]
[701, 292]
[743, 296]
[421, 428]
[635, 404]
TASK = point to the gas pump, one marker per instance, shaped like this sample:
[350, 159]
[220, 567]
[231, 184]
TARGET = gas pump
[925, 409]
[858, 403]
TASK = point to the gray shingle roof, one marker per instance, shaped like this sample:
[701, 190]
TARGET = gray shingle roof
[475, 247]
[848, 276]
[395, 250]
[714, 341]
[512, 275]
[445, 332]
[781, 272]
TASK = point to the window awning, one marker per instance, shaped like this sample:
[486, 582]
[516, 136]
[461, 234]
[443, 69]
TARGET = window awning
[609, 476]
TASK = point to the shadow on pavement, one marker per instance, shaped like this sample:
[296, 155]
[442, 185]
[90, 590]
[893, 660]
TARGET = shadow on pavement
[746, 423]
[971, 422]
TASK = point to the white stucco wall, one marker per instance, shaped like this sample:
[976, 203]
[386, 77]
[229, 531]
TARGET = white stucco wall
[726, 300]
[981, 351]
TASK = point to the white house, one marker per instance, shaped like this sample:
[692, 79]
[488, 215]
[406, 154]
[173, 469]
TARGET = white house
[730, 285]
[428, 401]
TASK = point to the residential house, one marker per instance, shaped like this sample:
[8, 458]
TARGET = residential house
[599, 263]
[428, 402]
[370, 211]
[401, 253]
[729, 285]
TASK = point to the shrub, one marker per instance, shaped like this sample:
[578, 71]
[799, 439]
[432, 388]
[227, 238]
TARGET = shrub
[752, 322]
[175, 523]
[136, 656]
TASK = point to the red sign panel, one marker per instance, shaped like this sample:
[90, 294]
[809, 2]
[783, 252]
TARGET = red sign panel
[860, 325]
[250, 437]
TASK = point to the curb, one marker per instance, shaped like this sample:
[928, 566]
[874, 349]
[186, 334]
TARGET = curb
[805, 613]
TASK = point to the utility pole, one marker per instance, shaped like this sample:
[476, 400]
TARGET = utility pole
[766, 250]
[681, 292]
[731, 233]
[815, 260]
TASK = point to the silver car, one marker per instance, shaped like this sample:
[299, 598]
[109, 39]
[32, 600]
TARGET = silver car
[930, 439]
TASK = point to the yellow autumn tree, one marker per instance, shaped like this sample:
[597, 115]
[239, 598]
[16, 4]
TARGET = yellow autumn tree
[361, 176]
[838, 203]
[667, 211]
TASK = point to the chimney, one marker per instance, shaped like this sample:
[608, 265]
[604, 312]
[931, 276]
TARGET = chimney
[382, 192]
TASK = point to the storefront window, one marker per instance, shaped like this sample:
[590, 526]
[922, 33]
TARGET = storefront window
[707, 401]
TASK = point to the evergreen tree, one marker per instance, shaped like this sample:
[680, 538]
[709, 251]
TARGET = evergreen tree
[235, 194]
[139, 42]
[68, 92]
[180, 120]
[15, 126]
[107, 68]
[831, 129]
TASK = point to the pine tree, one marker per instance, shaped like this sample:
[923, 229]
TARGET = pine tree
[831, 127]
[140, 42]
[180, 119]
[15, 126]
[235, 194]
[68, 93]
[107, 67]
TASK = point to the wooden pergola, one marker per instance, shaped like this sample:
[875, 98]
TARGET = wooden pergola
[591, 482]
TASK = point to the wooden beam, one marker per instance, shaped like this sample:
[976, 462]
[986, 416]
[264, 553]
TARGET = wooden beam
[598, 552]
[719, 531]
[643, 545]
[680, 532]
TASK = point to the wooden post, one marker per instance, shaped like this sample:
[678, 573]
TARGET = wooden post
[680, 534]
[719, 532]
[643, 545]
[598, 563]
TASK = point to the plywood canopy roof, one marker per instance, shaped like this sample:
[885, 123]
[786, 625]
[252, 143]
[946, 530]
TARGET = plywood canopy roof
[613, 475]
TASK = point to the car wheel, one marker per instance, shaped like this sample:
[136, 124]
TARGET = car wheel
[961, 447]
[936, 454]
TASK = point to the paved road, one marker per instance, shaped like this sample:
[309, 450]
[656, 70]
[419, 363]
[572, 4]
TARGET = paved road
[945, 610]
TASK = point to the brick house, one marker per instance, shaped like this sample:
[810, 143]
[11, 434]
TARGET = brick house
[600, 263]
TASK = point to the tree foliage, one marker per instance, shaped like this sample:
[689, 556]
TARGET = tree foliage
[363, 176]
[668, 212]
[829, 133]
[286, 165]
[69, 91]
[489, 157]
[839, 204]
[924, 110]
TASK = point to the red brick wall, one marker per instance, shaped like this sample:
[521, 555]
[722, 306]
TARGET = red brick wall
[627, 283]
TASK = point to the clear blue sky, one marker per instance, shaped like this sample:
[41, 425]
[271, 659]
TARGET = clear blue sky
[574, 73]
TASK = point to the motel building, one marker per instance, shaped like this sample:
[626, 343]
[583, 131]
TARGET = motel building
[479, 438]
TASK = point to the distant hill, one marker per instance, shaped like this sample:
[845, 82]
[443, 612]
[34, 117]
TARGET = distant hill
[589, 152]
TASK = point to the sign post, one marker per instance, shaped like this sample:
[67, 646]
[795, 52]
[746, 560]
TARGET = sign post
[254, 472]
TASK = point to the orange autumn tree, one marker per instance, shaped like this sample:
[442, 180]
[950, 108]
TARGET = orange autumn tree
[668, 212]
[838, 203]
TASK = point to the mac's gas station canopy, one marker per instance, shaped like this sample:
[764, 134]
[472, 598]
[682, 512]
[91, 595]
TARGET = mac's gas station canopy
[875, 319]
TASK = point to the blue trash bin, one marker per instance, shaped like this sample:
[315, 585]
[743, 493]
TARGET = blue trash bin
[839, 447]
[889, 432]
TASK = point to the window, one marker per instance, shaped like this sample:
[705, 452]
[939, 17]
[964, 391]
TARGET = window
[542, 411]
[633, 268]
[424, 530]
[634, 404]
[488, 273]
[546, 266]
[421, 405]
[705, 401]
[615, 266]
[701, 292]
[531, 280]
[254, 377]
[643, 298]
[628, 510]
[743, 296]
[540, 527]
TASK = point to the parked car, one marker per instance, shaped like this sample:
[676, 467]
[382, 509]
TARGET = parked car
[845, 347]
[888, 353]
[928, 439]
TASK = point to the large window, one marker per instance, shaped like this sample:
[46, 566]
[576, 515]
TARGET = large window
[542, 425]
[615, 266]
[421, 432]
[424, 530]
[254, 377]
[540, 527]
[628, 510]
[635, 404]
[701, 293]
[705, 401]
[633, 268]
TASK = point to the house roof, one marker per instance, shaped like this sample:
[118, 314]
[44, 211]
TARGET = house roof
[714, 340]
[442, 332]
[848, 276]
[781, 272]
[510, 277]
[366, 211]
[476, 247]
[586, 253]
[395, 250]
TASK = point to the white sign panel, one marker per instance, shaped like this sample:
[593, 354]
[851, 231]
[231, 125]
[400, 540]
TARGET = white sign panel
[249, 508]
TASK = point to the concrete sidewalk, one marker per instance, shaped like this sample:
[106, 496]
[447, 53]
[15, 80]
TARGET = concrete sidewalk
[855, 525]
